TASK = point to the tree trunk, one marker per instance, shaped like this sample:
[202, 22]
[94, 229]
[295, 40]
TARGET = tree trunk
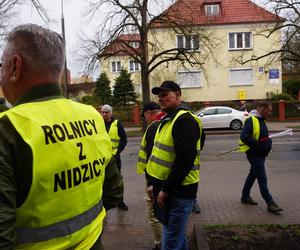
[144, 54]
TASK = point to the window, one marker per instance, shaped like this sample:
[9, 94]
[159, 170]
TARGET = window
[240, 76]
[222, 111]
[212, 9]
[188, 42]
[134, 66]
[134, 44]
[240, 40]
[210, 112]
[189, 79]
[116, 66]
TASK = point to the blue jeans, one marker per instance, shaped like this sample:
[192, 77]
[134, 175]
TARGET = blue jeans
[257, 171]
[174, 234]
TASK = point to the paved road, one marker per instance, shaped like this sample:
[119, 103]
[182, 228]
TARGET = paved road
[219, 191]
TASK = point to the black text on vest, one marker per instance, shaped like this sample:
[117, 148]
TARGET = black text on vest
[68, 131]
[75, 176]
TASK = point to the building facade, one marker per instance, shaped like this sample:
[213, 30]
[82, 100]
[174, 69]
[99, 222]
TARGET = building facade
[224, 36]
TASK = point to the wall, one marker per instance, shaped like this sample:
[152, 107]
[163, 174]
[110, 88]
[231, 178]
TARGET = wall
[105, 66]
[215, 71]
[216, 61]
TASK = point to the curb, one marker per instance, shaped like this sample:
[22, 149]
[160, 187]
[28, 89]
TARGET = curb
[233, 132]
[199, 236]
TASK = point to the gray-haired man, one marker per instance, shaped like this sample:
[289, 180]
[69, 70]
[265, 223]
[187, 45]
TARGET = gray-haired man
[57, 171]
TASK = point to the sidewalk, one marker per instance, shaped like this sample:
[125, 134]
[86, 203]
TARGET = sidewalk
[280, 126]
[272, 126]
[218, 194]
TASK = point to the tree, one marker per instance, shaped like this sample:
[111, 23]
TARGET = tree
[102, 93]
[123, 93]
[137, 16]
[288, 24]
[291, 87]
[7, 12]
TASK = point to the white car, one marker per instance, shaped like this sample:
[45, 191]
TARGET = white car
[222, 117]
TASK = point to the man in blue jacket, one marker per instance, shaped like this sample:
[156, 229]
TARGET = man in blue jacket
[255, 141]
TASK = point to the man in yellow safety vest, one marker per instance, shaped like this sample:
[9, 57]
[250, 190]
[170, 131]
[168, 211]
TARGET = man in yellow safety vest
[118, 138]
[255, 142]
[173, 167]
[58, 174]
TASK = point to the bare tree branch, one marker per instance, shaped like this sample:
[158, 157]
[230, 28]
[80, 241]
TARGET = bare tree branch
[137, 18]
[288, 51]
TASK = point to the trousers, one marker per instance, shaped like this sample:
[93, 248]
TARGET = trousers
[257, 171]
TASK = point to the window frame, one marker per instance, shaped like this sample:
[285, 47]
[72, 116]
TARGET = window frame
[192, 40]
[134, 44]
[117, 70]
[240, 84]
[211, 8]
[243, 40]
[134, 63]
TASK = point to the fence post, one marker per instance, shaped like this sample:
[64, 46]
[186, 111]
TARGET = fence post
[281, 110]
[136, 114]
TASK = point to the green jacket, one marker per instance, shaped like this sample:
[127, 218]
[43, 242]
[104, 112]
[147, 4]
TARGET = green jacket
[16, 169]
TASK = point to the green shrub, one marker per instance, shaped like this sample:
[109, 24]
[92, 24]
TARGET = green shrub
[291, 87]
[281, 96]
[88, 99]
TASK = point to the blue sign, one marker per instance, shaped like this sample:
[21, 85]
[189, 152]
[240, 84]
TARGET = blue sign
[274, 74]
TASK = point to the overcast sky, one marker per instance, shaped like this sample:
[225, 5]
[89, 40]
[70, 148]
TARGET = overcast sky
[74, 12]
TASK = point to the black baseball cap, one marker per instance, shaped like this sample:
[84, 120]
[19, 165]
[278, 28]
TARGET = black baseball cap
[166, 86]
[150, 106]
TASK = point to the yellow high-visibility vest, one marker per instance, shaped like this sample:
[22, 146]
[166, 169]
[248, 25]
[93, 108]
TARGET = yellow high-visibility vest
[70, 151]
[114, 136]
[142, 156]
[163, 153]
[256, 132]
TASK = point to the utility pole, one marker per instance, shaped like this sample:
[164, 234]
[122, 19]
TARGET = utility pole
[65, 78]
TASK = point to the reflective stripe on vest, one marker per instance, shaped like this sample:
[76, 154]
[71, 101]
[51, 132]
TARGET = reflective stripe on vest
[70, 151]
[163, 154]
[60, 229]
[256, 132]
[170, 150]
[114, 136]
[142, 155]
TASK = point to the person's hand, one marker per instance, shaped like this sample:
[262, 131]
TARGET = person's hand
[161, 199]
[150, 192]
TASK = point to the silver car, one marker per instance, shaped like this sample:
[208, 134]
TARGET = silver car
[222, 117]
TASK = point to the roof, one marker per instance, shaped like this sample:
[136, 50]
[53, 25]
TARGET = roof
[118, 47]
[231, 12]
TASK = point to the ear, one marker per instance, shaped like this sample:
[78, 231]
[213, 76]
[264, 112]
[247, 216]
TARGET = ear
[178, 94]
[16, 68]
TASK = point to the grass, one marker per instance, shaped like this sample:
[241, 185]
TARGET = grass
[253, 236]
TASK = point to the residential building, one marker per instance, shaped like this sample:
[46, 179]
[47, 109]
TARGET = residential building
[118, 58]
[223, 34]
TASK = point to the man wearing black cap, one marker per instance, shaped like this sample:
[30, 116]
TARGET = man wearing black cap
[173, 167]
[152, 114]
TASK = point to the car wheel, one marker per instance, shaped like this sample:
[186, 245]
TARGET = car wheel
[236, 124]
